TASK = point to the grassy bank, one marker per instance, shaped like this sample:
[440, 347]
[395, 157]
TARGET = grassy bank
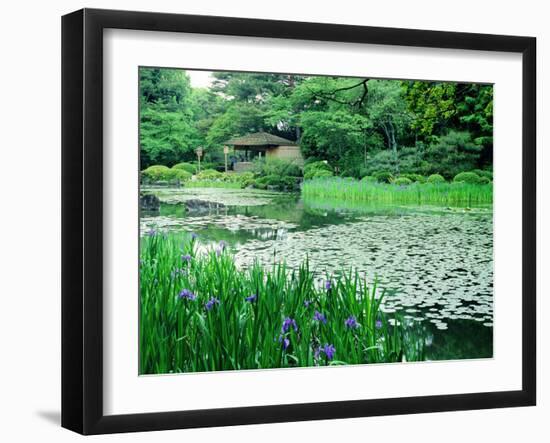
[199, 312]
[415, 193]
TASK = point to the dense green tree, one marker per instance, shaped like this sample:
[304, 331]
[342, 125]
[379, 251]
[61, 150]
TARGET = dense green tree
[359, 125]
[440, 107]
[339, 137]
[452, 153]
[167, 131]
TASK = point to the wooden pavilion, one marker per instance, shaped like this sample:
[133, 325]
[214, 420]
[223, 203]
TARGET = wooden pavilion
[262, 144]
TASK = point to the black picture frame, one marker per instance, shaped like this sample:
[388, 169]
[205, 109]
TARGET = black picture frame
[82, 219]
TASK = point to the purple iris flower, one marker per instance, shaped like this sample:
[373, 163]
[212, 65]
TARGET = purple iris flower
[329, 351]
[251, 298]
[186, 258]
[307, 303]
[151, 232]
[210, 303]
[187, 295]
[320, 317]
[328, 285]
[287, 323]
[194, 236]
[317, 353]
[378, 324]
[351, 322]
[285, 342]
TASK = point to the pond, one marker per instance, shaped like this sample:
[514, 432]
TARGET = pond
[436, 263]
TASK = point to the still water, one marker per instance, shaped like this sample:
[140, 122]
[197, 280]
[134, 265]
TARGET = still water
[436, 263]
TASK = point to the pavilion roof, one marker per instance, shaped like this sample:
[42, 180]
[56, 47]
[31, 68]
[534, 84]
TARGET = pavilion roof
[260, 139]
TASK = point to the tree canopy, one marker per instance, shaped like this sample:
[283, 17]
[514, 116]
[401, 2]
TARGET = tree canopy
[359, 125]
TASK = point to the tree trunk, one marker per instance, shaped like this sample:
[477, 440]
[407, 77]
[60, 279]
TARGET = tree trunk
[393, 143]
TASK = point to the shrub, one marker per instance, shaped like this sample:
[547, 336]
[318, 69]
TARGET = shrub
[311, 160]
[452, 153]
[483, 173]
[271, 180]
[402, 181]
[160, 173]
[321, 174]
[414, 177]
[180, 175]
[205, 165]
[290, 183]
[276, 166]
[280, 182]
[156, 172]
[484, 180]
[209, 174]
[311, 169]
[467, 177]
[383, 176]
[248, 183]
[435, 178]
[369, 179]
[192, 169]
[240, 177]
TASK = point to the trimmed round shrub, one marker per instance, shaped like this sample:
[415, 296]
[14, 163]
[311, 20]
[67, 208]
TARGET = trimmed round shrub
[383, 176]
[483, 173]
[180, 174]
[435, 178]
[369, 179]
[402, 181]
[192, 169]
[484, 180]
[159, 173]
[209, 174]
[156, 172]
[467, 177]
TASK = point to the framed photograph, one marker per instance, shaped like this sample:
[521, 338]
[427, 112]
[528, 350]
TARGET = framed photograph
[270, 221]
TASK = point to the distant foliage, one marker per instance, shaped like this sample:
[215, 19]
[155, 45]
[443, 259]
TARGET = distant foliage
[359, 125]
